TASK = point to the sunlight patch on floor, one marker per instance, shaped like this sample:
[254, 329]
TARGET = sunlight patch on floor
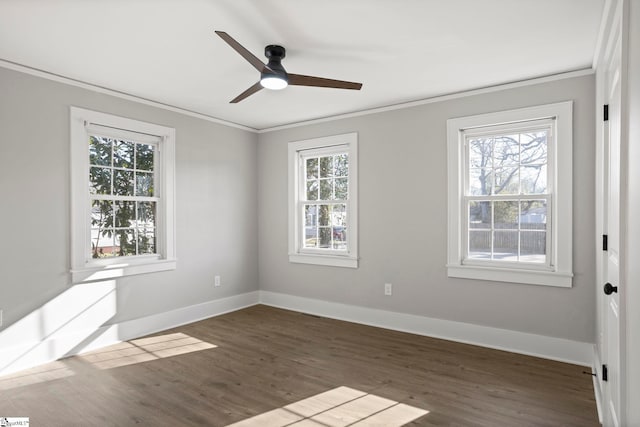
[144, 350]
[342, 406]
[39, 374]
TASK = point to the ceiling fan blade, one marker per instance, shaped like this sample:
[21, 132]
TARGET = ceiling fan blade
[253, 89]
[301, 80]
[253, 60]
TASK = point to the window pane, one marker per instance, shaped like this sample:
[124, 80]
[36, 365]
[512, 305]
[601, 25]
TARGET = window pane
[505, 245]
[479, 215]
[146, 214]
[310, 215]
[144, 184]
[339, 237]
[506, 151]
[146, 241]
[341, 164]
[102, 214]
[101, 243]
[533, 215]
[312, 168]
[534, 147]
[312, 190]
[122, 182]
[533, 246]
[342, 189]
[144, 157]
[125, 213]
[507, 181]
[326, 167]
[339, 215]
[123, 154]
[325, 189]
[480, 244]
[325, 237]
[125, 243]
[100, 180]
[480, 151]
[533, 179]
[324, 217]
[310, 237]
[99, 151]
[480, 182]
[505, 214]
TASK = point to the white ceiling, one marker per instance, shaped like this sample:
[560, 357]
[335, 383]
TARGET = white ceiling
[402, 51]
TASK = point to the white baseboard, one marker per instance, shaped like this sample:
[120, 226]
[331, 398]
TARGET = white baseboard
[28, 354]
[575, 352]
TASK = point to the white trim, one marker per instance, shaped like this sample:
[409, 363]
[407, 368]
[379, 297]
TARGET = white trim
[82, 269]
[440, 98]
[295, 148]
[23, 355]
[330, 260]
[457, 95]
[560, 178]
[553, 348]
[603, 32]
[511, 275]
[118, 94]
[597, 389]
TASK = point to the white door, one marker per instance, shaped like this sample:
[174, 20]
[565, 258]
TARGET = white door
[612, 214]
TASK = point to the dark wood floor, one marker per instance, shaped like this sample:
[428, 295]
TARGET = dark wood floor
[237, 366]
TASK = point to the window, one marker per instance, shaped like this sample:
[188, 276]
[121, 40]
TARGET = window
[510, 204]
[323, 201]
[122, 196]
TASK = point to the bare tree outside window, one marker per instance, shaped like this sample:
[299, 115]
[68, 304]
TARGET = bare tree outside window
[508, 196]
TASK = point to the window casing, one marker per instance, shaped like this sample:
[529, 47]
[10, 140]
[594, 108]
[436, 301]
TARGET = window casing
[122, 181]
[322, 201]
[510, 209]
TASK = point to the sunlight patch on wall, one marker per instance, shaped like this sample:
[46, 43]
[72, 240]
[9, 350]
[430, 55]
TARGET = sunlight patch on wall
[144, 350]
[60, 325]
[342, 406]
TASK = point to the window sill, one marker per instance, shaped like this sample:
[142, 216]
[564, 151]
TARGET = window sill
[330, 260]
[114, 271]
[511, 275]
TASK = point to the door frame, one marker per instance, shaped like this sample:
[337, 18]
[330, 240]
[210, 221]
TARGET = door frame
[613, 21]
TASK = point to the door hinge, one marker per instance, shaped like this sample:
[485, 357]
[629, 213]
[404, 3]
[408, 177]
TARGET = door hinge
[605, 373]
[605, 242]
[605, 112]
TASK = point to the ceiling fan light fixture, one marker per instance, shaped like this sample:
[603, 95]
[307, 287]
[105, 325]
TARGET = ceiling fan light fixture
[273, 81]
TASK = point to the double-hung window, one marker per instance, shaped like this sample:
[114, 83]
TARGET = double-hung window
[510, 196]
[323, 193]
[122, 196]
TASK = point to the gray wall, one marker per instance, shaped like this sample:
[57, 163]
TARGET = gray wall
[216, 208]
[403, 219]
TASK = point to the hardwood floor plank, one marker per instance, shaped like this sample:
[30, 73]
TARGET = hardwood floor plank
[267, 363]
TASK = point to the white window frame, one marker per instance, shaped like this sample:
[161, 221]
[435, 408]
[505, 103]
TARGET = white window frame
[326, 145]
[83, 267]
[558, 270]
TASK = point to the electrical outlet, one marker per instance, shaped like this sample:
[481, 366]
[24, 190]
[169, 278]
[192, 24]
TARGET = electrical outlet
[216, 281]
[388, 289]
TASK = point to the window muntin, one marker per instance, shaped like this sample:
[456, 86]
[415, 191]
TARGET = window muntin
[122, 196]
[507, 194]
[323, 201]
[503, 207]
[122, 181]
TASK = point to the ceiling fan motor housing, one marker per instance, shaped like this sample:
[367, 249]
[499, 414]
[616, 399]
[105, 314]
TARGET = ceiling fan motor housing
[275, 54]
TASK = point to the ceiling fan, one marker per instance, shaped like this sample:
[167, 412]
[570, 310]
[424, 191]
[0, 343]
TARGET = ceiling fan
[274, 76]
